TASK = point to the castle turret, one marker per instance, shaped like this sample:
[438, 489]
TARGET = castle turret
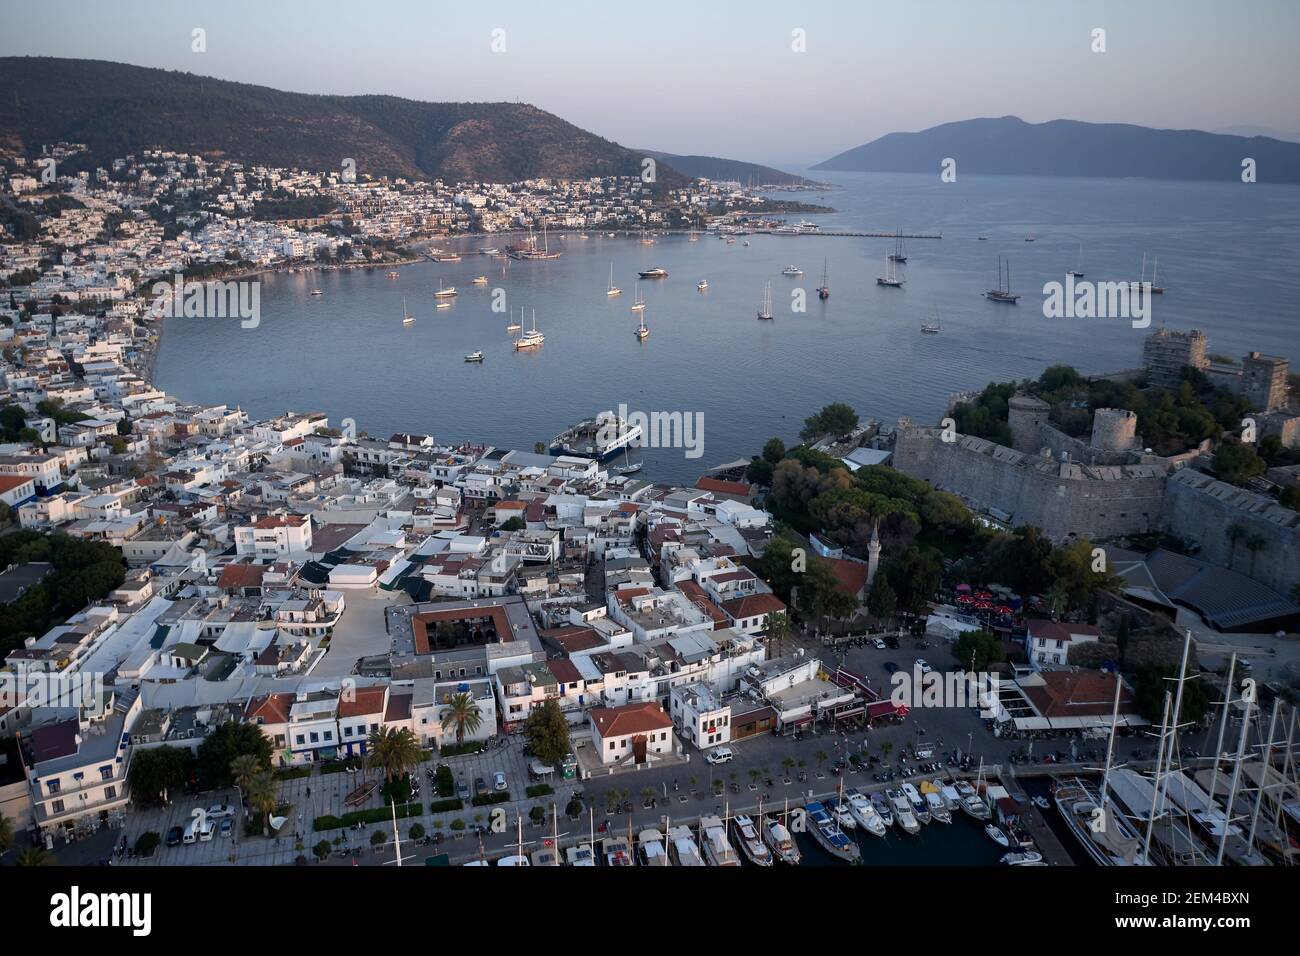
[1024, 416]
[1113, 429]
[873, 554]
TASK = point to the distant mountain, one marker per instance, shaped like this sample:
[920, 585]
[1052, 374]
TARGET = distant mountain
[1010, 146]
[118, 109]
[1249, 131]
[726, 170]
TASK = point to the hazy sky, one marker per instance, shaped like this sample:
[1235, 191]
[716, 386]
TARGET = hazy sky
[721, 77]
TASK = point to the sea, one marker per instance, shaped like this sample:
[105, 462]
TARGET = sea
[1228, 254]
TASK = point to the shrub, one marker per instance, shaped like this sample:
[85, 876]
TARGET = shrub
[446, 806]
[378, 838]
[458, 824]
[375, 815]
[322, 849]
[487, 799]
[147, 843]
[417, 831]
[540, 790]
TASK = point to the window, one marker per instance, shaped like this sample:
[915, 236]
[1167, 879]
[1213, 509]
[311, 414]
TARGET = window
[612, 744]
[52, 786]
[300, 739]
[315, 737]
[56, 806]
[110, 793]
[106, 773]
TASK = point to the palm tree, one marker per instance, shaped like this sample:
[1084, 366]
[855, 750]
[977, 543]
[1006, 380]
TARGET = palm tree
[35, 856]
[1255, 544]
[263, 795]
[778, 629]
[393, 751]
[1235, 533]
[243, 769]
[820, 756]
[462, 715]
[787, 764]
[647, 794]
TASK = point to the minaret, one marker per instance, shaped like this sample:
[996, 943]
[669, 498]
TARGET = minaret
[873, 554]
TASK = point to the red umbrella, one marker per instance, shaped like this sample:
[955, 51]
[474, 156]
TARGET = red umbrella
[984, 595]
[983, 606]
[964, 599]
[1003, 609]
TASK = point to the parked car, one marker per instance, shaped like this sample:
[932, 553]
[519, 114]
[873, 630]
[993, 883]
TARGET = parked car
[878, 644]
[890, 667]
[480, 786]
[175, 835]
[719, 755]
[462, 790]
[220, 811]
[227, 828]
[207, 830]
[924, 665]
[498, 781]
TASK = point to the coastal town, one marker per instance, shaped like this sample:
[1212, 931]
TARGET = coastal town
[232, 640]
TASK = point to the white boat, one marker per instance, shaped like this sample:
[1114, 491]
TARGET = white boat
[997, 836]
[407, 318]
[638, 301]
[488, 251]
[531, 339]
[903, 814]
[1077, 271]
[751, 843]
[650, 843]
[480, 280]
[766, 311]
[1028, 858]
[881, 805]
[613, 289]
[641, 332]
[628, 467]
[545, 857]
[580, 855]
[656, 273]
[938, 811]
[443, 305]
[864, 813]
[718, 850]
[1003, 293]
[1107, 836]
[890, 278]
[843, 815]
[778, 839]
[512, 325]
[446, 292]
[514, 861]
[317, 292]
[919, 808]
[791, 270]
[475, 356]
[829, 835]
[618, 852]
[681, 845]
[1041, 802]
[702, 284]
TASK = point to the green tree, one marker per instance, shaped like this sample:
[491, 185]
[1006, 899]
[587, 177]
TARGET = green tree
[1150, 686]
[263, 795]
[773, 451]
[243, 769]
[220, 748]
[977, 650]
[462, 715]
[393, 751]
[6, 834]
[34, 856]
[778, 629]
[1236, 463]
[547, 733]
[882, 602]
[835, 419]
[158, 772]
[513, 524]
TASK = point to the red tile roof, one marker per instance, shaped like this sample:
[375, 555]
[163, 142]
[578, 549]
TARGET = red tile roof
[753, 605]
[717, 485]
[1078, 694]
[10, 482]
[241, 575]
[365, 700]
[273, 709]
[629, 719]
[850, 576]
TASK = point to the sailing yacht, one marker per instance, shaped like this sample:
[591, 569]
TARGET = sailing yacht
[932, 328]
[1077, 271]
[650, 843]
[446, 292]
[638, 301]
[681, 844]
[890, 278]
[642, 333]
[718, 850]
[407, 318]
[766, 311]
[898, 255]
[613, 289]
[628, 467]
[778, 838]
[531, 339]
[750, 841]
[512, 325]
[1139, 284]
[824, 290]
[1003, 293]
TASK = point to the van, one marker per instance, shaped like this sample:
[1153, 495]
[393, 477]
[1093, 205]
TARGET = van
[207, 830]
[191, 831]
[719, 755]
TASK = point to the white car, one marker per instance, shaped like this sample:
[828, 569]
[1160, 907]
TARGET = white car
[719, 755]
[925, 667]
[878, 644]
[498, 781]
[220, 811]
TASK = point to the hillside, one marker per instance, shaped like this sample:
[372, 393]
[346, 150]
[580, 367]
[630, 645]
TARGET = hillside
[727, 170]
[115, 109]
[1011, 147]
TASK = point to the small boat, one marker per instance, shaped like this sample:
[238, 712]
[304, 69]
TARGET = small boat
[765, 312]
[641, 332]
[681, 845]
[750, 842]
[920, 809]
[997, 836]
[702, 284]
[843, 815]
[1041, 802]
[1077, 271]
[407, 318]
[445, 292]
[890, 278]
[903, 814]
[512, 325]
[638, 301]
[778, 839]
[475, 356]
[317, 292]
[824, 290]
[932, 328]
[628, 467]
[580, 855]
[732, 242]
[976, 808]
[613, 289]
[650, 845]
[488, 251]
[655, 273]
[938, 811]
[393, 274]
[864, 813]
[718, 850]
[791, 271]
[1028, 858]
[445, 257]
[983, 238]
[618, 852]
[443, 305]
[746, 242]
[883, 809]
[480, 280]
[829, 835]
[1029, 238]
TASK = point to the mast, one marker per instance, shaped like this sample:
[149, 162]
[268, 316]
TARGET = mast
[1163, 777]
[1155, 797]
[397, 836]
[1264, 769]
[1110, 744]
[1236, 776]
[1227, 703]
[1286, 768]
[555, 833]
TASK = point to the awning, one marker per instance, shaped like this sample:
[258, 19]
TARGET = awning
[851, 712]
[886, 708]
[800, 721]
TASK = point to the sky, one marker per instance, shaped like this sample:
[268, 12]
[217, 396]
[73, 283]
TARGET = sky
[724, 78]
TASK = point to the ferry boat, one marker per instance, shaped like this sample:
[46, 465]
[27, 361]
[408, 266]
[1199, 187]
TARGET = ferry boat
[919, 808]
[655, 273]
[829, 836]
[317, 292]
[601, 437]
[475, 356]
[718, 850]
[1003, 293]
[765, 312]
[702, 284]
[613, 289]
[864, 813]
[778, 839]
[650, 846]
[890, 278]
[580, 855]
[531, 339]
[881, 805]
[480, 280]
[903, 811]
[446, 292]
[618, 852]
[1107, 837]
[791, 270]
[750, 842]
[681, 844]
[642, 333]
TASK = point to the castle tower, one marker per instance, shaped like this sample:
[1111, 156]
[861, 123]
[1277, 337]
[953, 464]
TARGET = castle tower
[873, 554]
[1265, 381]
[1024, 416]
[1113, 429]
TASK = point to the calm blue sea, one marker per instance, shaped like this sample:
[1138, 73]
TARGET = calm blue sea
[1228, 253]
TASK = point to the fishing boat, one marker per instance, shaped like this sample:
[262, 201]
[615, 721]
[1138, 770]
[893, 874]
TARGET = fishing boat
[638, 301]
[1027, 858]
[650, 846]
[480, 280]
[882, 807]
[642, 333]
[407, 318]
[317, 292]
[829, 835]
[765, 312]
[580, 855]
[890, 278]
[655, 273]
[1077, 271]
[1003, 293]
[824, 290]
[445, 292]
[997, 836]
[751, 843]
[475, 356]
[778, 839]
[718, 850]
[791, 271]
[865, 813]
[531, 339]
[702, 285]
[932, 328]
[681, 845]
[898, 255]
[920, 809]
[613, 289]
[903, 811]
[618, 851]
